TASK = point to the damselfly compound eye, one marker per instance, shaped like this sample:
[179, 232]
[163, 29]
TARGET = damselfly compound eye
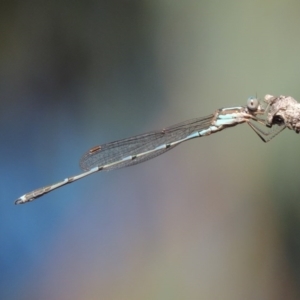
[252, 103]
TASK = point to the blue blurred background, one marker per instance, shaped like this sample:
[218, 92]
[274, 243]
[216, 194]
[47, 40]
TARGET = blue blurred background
[216, 218]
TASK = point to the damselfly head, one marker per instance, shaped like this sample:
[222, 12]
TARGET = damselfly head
[252, 103]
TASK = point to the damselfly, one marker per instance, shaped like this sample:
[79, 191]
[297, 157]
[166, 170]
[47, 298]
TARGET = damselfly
[266, 119]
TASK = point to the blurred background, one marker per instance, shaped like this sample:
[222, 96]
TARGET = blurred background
[215, 218]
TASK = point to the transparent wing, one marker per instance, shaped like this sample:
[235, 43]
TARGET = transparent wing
[116, 151]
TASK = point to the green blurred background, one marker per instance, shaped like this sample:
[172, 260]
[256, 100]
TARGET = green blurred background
[216, 218]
